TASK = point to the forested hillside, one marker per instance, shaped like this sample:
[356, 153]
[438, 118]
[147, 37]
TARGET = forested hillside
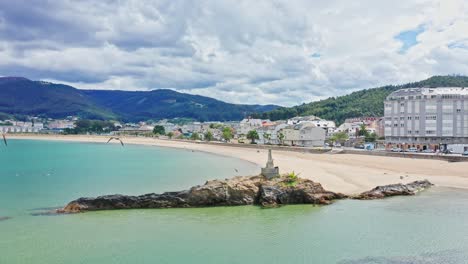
[368, 102]
[20, 96]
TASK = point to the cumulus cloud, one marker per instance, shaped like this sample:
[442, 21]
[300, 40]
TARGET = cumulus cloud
[282, 52]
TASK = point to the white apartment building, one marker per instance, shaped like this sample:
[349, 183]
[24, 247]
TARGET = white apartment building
[427, 118]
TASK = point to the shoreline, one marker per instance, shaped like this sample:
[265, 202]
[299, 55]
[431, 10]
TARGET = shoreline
[345, 173]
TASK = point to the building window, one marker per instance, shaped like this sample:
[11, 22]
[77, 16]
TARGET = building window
[458, 110]
[416, 131]
[395, 125]
[431, 117]
[430, 132]
[409, 132]
[402, 104]
[409, 118]
[402, 125]
[402, 118]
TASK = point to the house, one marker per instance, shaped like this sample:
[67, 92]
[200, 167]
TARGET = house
[329, 126]
[247, 125]
[304, 135]
[270, 134]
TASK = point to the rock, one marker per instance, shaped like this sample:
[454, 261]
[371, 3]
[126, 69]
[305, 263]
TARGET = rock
[380, 192]
[302, 191]
[4, 218]
[231, 192]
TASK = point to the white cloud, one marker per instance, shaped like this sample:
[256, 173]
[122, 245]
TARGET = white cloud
[237, 51]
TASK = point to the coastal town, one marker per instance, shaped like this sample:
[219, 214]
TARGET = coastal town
[425, 120]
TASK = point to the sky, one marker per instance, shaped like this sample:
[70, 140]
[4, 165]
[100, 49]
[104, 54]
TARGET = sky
[239, 51]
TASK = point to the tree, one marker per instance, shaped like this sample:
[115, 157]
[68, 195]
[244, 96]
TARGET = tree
[281, 137]
[363, 131]
[371, 137]
[227, 134]
[159, 130]
[83, 126]
[170, 134]
[208, 136]
[252, 135]
[267, 137]
[195, 136]
[339, 137]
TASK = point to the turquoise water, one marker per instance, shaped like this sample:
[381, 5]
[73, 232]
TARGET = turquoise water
[429, 228]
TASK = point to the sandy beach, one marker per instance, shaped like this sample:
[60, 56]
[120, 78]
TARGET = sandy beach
[346, 173]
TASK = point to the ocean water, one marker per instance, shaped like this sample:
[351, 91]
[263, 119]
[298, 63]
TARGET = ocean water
[431, 227]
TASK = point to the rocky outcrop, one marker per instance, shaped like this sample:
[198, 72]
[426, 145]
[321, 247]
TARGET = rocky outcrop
[230, 192]
[3, 218]
[278, 192]
[380, 192]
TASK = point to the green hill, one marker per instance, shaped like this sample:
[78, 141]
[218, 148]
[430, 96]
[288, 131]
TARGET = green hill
[368, 102]
[20, 96]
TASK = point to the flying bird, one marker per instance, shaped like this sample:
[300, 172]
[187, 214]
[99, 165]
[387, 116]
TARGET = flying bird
[4, 140]
[116, 138]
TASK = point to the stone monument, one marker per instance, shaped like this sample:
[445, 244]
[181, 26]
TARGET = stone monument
[270, 171]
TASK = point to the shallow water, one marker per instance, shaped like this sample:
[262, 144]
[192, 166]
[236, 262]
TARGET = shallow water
[428, 228]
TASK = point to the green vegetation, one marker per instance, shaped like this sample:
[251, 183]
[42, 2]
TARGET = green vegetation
[170, 134]
[208, 136]
[8, 123]
[20, 96]
[252, 135]
[227, 134]
[267, 137]
[291, 178]
[159, 130]
[367, 102]
[84, 126]
[339, 137]
[216, 126]
[195, 136]
[368, 137]
[281, 137]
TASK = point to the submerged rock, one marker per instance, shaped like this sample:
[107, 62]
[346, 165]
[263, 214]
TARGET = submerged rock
[236, 191]
[3, 218]
[380, 192]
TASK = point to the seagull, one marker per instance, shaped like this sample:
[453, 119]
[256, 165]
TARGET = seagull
[4, 139]
[116, 138]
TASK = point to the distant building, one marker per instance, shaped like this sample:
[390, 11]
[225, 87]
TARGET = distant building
[329, 126]
[270, 134]
[247, 125]
[21, 127]
[60, 124]
[304, 135]
[427, 118]
[351, 126]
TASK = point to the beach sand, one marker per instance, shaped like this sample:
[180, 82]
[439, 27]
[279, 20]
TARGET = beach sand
[345, 173]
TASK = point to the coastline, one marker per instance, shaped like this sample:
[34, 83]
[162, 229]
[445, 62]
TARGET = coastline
[344, 173]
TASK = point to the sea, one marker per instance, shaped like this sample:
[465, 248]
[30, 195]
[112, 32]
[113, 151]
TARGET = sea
[38, 176]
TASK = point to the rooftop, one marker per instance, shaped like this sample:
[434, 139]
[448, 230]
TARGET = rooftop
[428, 91]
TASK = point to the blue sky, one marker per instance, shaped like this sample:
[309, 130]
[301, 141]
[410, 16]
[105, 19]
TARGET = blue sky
[240, 51]
[409, 38]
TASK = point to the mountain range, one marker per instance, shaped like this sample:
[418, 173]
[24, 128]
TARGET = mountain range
[21, 96]
[367, 102]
